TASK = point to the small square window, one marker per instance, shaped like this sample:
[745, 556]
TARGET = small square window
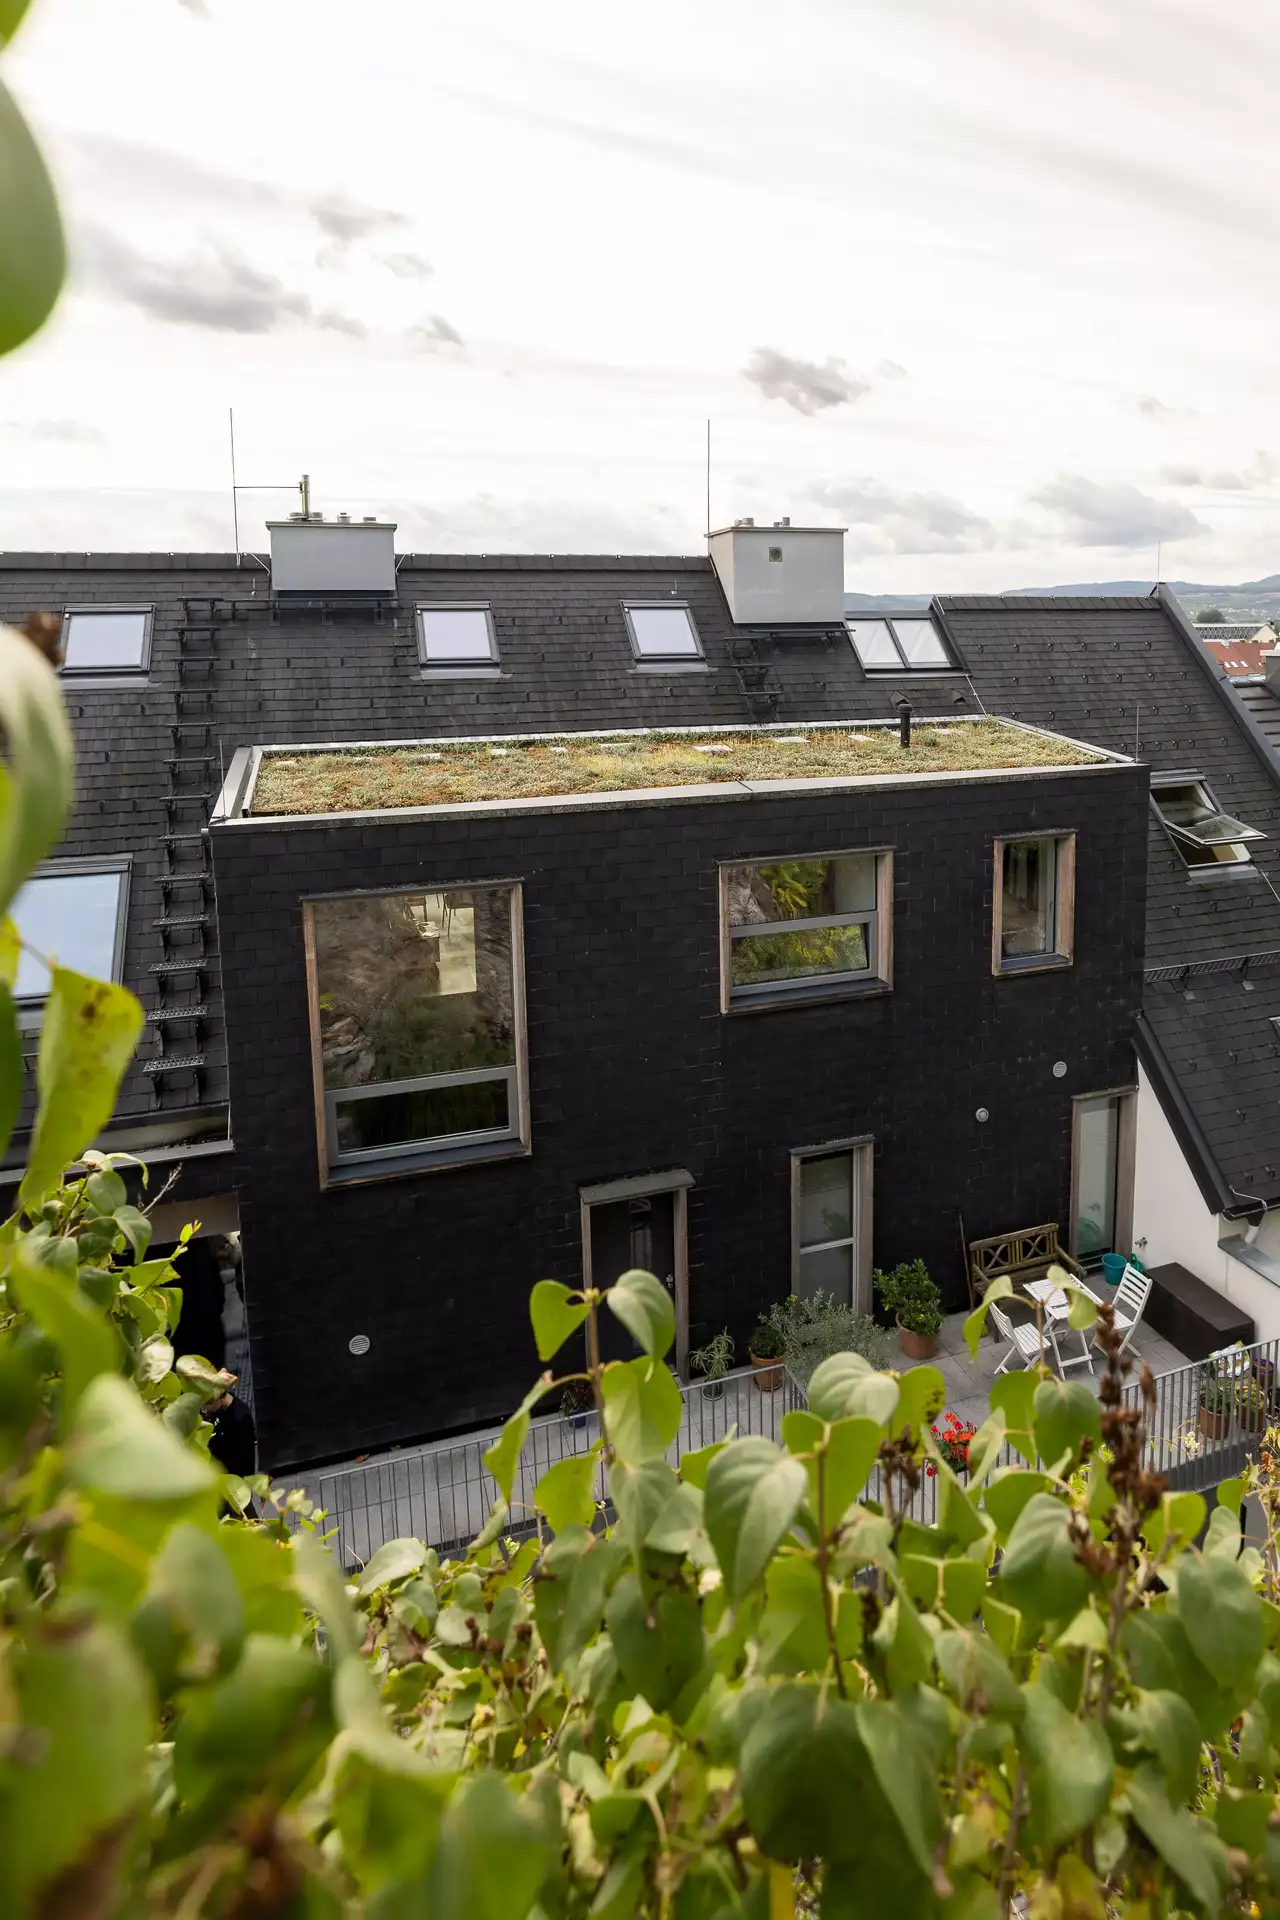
[74, 916]
[456, 636]
[106, 639]
[1033, 926]
[1204, 836]
[911, 644]
[662, 630]
[795, 928]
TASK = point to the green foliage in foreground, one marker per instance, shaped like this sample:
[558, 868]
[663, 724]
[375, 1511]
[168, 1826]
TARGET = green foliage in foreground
[737, 1689]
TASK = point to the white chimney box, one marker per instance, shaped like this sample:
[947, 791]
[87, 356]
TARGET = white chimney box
[332, 556]
[780, 575]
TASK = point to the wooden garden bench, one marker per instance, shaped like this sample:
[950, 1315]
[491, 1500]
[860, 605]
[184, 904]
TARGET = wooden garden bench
[1022, 1256]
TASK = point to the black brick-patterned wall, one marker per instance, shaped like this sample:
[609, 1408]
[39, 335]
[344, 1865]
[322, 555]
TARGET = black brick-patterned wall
[633, 1068]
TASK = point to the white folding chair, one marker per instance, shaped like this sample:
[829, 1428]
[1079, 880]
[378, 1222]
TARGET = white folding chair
[1024, 1339]
[1130, 1302]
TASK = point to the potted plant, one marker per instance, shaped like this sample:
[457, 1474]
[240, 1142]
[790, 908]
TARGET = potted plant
[953, 1443]
[576, 1402]
[1253, 1406]
[1216, 1397]
[713, 1362]
[908, 1292]
[766, 1344]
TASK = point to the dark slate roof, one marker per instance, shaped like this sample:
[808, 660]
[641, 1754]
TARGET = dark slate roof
[1111, 671]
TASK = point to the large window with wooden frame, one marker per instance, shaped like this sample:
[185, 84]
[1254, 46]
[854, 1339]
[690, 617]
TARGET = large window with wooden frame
[1033, 920]
[417, 1027]
[805, 927]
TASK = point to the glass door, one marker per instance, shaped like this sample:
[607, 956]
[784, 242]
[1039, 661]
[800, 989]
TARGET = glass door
[828, 1226]
[1097, 1146]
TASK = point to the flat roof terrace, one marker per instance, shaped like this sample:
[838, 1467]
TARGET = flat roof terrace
[367, 778]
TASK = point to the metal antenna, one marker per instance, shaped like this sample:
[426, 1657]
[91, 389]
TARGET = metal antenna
[1158, 548]
[708, 477]
[235, 502]
[1137, 735]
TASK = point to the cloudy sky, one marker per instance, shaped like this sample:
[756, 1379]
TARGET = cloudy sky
[994, 284]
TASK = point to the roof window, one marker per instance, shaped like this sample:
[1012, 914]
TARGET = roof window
[106, 639]
[456, 634]
[74, 915]
[910, 643]
[1202, 833]
[662, 630]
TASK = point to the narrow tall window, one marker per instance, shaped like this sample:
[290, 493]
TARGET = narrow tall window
[1102, 1154]
[827, 1227]
[1034, 903]
[106, 640]
[417, 1023]
[805, 924]
[831, 1222]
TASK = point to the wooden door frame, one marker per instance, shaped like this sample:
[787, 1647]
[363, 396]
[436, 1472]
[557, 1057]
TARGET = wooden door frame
[676, 1181]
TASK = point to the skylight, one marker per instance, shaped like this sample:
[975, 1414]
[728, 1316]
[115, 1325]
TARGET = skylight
[75, 917]
[106, 639]
[663, 631]
[456, 635]
[909, 643]
[1203, 835]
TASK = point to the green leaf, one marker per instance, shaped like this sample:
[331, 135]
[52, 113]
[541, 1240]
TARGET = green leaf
[117, 1447]
[568, 1595]
[1009, 1492]
[10, 947]
[1015, 1394]
[972, 1668]
[643, 1408]
[36, 785]
[1066, 1414]
[695, 1466]
[1187, 1845]
[903, 1642]
[907, 1780]
[1069, 1769]
[974, 1326]
[201, 1376]
[32, 253]
[1039, 1573]
[320, 1584]
[106, 1191]
[393, 1561]
[232, 1731]
[1242, 1819]
[555, 1315]
[1162, 1724]
[752, 1496]
[87, 1343]
[11, 12]
[566, 1491]
[194, 1588]
[804, 1766]
[136, 1228]
[922, 1394]
[846, 1386]
[1231, 1495]
[644, 1307]
[492, 1855]
[658, 1641]
[794, 1629]
[503, 1457]
[10, 1068]
[87, 1040]
[1223, 1617]
[847, 1459]
[85, 1697]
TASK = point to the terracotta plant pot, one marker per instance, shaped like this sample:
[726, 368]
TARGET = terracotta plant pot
[1213, 1425]
[1253, 1419]
[917, 1346]
[766, 1382]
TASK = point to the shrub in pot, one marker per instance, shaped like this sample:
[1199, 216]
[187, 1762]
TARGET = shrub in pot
[766, 1344]
[1253, 1406]
[908, 1292]
[713, 1362]
[1216, 1399]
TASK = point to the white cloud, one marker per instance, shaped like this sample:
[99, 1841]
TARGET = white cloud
[804, 385]
[885, 519]
[1091, 513]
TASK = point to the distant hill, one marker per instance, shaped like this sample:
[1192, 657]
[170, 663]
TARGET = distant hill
[1249, 599]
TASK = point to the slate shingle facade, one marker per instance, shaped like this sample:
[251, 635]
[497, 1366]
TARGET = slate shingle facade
[1123, 674]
